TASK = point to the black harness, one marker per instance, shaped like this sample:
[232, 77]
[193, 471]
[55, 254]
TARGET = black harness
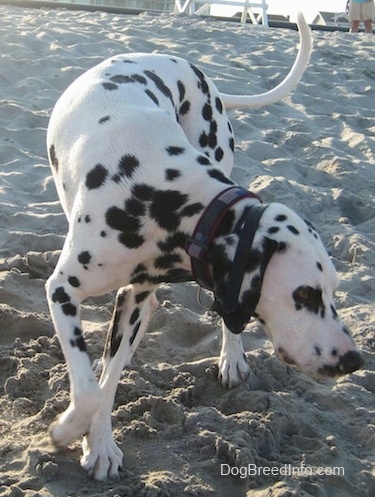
[198, 245]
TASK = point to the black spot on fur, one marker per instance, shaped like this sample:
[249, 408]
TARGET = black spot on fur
[174, 275]
[134, 334]
[177, 240]
[212, 137]
[143, 192]
[175, 150]
[110, 86]
[60, 296]
[128, 226]
[273, 229]
[281, 247]
[103, 234]
[134, 207]
[192, 209]
[126, 167]
[204, 160]
[293, 230]
[181, 90]
[87, 219]
[202, 82]
[207, 112]
[96, 177]
[53, 158]
[219, 154]
[134, 78]
[219, 105]
[184, 108]
[280, 218]
[141, 278]
[220, 176]
[78, 341]
[134, 316]
[139, 79]
[163, 208]
[104, 119]
[84, 258]
[159, 84]
[231, 144]
[115, 344]
[166, 261]
[318, 351]
[73, 281]
[203, 139]
[140, 297]
[140, 268]
[172, 174]
[153, 97]
[319, 266]
[69, 309]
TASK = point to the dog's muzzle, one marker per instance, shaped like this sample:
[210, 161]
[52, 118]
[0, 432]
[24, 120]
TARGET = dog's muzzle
[348, 363]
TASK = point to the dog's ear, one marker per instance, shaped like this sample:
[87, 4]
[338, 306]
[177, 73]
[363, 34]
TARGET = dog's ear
[221, 259]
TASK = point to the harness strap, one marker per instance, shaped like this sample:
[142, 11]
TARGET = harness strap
[246, 237]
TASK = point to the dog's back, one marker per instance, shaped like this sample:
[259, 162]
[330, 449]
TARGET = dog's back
[184, 105]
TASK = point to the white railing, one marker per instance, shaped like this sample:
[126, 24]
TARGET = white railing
[189, 7]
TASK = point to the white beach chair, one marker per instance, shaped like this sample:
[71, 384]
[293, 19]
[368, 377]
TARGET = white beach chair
[190, 7]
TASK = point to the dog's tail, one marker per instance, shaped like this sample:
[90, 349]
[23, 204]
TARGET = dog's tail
[281, 90]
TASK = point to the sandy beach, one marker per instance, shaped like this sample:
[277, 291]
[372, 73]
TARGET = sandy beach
[180, 430]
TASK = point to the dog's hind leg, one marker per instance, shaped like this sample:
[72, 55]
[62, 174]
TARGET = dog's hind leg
[134, 307]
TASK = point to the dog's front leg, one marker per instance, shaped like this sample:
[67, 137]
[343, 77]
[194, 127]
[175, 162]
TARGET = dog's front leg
[64, 302]
[233, 366]
[134, 306]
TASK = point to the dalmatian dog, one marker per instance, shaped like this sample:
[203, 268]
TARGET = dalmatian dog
[141, 150]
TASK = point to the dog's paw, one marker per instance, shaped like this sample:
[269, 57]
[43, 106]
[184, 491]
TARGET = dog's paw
[101, 457]
[232, 372]
[75, 421]
[68, 427]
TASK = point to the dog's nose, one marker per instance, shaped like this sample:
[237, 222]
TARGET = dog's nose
[350, 361]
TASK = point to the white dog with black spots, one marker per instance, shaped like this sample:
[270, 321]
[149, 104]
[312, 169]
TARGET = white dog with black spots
[141, 149]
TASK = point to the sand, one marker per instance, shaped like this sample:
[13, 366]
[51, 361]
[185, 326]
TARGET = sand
[175, 423]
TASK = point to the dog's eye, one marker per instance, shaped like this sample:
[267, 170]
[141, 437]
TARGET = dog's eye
[303, 293]
[306, 297]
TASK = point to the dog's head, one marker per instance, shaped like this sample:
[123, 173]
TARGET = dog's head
[292, 294]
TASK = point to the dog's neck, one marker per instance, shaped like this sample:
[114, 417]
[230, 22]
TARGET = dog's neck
[222, 216]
